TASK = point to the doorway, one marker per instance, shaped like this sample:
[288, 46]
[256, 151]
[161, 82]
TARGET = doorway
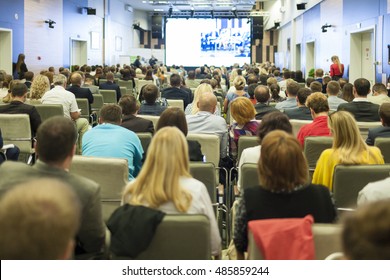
[298, 65]
[310, 57]
[78, 52]
[362, 50]
[6, 50]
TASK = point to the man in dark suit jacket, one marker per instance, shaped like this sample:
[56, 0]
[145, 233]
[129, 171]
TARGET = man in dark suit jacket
[129, 106]
[262, 96]
[56, 139]
[360, 107]
[175, 92]
[382, 131]
[110, 85]
[79, 91]
[301, 112]
[17, 106]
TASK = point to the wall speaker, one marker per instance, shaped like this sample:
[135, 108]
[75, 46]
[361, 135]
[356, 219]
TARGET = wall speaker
[91, 11]
[257, 28]
[301, 6]
[157, 27]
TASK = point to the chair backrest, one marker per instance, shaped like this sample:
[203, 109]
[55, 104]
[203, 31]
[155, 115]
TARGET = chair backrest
[249, 175]
[297, 124]
[145, 138]
[154, 119]
[15, 129]
[98, 102]
[205, 172]
[365, 126]
[209, 145]
[314, 146]
[83, 104]
[49, 110]
[180, 237]
[110, 173]
[383, 144]
[348, 180]
[246, 142]
[109, 95]
[102, 81]
[326, 237]
[178, 103]
[127, 84]
[123, 90]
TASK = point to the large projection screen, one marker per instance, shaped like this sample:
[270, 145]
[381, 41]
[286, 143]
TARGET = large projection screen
[220, 42]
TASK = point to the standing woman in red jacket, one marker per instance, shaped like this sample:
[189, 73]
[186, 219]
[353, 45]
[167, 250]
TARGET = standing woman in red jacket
[336, 69]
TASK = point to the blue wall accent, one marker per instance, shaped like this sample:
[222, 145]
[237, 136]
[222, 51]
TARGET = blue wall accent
[7, 20]
[75, 25]
[360, 10]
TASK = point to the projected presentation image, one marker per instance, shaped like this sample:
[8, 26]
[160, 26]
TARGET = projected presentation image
[197, 41]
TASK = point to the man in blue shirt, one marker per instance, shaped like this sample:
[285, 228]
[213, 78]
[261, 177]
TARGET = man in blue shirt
[109, 139]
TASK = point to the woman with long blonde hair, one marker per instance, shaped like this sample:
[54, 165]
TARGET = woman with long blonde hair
[39, 87]
[164, 182]
[193, 108]
[336, 69]
[348, 148]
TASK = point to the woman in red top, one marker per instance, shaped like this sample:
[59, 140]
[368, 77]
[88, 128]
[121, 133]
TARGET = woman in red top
[336, 69]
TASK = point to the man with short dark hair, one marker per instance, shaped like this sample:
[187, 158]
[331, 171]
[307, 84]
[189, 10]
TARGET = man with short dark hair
[262, 96]
[292, 92]
[384, 130]
[175, 92]
[109, 139]
[149, 106]
[110, 85]
[80, 92]
[190, 81]
[55, 146]
[17, 106]
[129, 106]
[333, 89]
[379, 94]
[29, 76]
[362, 109]
[301, 112]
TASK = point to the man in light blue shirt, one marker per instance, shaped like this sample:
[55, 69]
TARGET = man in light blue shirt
[291, 101]
[333, 89]
[109, 139]
[206, 122]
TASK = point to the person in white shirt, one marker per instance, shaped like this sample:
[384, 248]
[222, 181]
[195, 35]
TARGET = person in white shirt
[379, 94]
[164, 182]
[333, 89]
[59, 95]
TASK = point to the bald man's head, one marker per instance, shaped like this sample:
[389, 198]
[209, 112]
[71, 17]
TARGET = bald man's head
[207, 102]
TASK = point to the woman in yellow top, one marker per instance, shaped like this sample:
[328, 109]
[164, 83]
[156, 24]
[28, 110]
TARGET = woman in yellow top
[348, 148]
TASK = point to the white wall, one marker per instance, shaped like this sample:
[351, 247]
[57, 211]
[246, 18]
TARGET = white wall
[43, 45]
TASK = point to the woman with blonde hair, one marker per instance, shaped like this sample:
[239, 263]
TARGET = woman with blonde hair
[192, 108]
[285, 190]
[165, 183]
[348, 148]
[243, 113]
[336, 69]
[39, 87]
[239, 84]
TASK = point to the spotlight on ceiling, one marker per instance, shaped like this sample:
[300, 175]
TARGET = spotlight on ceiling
[325, 27]
[50, 22]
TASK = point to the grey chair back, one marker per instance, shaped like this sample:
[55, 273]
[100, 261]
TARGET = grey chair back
[109, 96]
[249, 175]
[314, 146]
[49, 110]
[383, 143]
[349, 180]
[98, 102]
[246, 142]
[205, 172]
[145, 138]
[365, 126]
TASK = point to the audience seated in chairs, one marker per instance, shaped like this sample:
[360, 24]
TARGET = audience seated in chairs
[348, 148]
[109, 139]
[302, 112]
[262, 97]
[193, 107]
[291, 92]
[176, 92]
[333, 90]
[17, 106]
[285, 192]
[271, 121]
[165, 183]
[319, 108]
[130, 107]
[175, 117]
[80, 92]
[384, 130]
[40, 219]
[10, 153]
[150, 106]
[365, 234]
[56, 138]
[39, 87]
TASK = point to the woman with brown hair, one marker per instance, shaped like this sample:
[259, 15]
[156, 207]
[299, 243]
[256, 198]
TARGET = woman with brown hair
[285, 190]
